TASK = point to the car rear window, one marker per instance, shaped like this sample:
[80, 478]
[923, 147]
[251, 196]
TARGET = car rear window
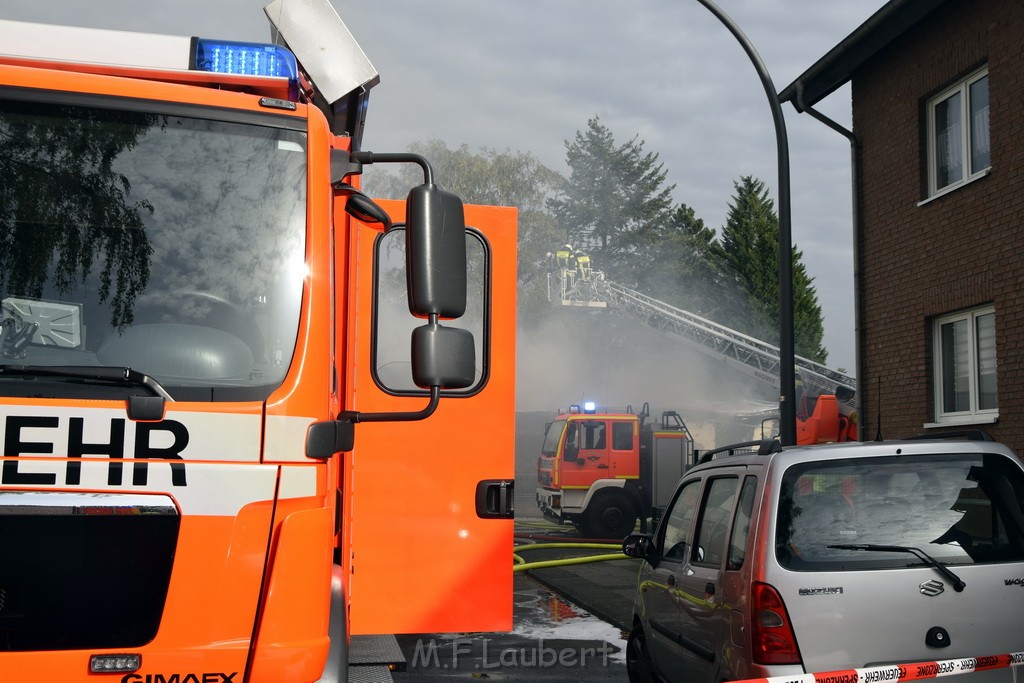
[957, 508]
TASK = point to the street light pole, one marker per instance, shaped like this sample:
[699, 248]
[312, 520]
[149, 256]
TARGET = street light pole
[787, 350]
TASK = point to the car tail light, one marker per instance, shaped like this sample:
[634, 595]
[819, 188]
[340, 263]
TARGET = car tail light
[773, 640]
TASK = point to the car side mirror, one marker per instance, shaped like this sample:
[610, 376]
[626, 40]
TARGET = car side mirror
[640, 546]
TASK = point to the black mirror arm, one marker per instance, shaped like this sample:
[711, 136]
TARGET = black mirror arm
[396, 158]
[356, 416]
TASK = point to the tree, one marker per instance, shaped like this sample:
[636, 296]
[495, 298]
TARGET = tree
[750, 249]
[679, 262]
[65, 209]
[614, 196]
[505, 178]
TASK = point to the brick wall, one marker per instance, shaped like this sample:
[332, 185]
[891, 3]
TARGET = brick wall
[957, 251]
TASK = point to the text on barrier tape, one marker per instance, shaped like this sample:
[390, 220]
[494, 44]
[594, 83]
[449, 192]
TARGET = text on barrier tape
[894, 673]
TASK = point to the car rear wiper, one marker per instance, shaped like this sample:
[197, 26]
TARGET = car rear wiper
[958, 583]
[100, 373]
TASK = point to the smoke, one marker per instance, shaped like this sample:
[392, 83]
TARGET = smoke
[617, 361]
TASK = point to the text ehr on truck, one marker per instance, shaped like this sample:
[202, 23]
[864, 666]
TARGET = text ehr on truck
[222, 454]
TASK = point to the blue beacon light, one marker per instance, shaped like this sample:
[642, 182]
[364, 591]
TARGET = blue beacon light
[249, 59]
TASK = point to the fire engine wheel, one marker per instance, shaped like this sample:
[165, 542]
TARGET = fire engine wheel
[611, 514]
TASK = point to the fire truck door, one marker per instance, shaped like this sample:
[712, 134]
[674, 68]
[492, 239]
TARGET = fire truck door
[594, 447]
[625, 445]
[424, 557]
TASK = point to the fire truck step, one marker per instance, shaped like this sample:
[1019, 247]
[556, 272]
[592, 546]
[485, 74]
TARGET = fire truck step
[381, 650]
[375, 673]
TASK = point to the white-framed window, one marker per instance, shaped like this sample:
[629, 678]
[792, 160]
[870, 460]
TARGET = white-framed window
[964, 346]
[958, 135]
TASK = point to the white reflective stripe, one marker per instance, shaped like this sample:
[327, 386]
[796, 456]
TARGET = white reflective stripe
[221, 436]
[298, 482]
[286, 438]
[93, 45]
[221, 489]
[210, 436]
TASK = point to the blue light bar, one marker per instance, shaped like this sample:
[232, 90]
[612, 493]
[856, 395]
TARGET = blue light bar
[589, 407]
[248, 59]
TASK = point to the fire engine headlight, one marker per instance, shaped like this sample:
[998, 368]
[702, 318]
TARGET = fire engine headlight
[120, 663]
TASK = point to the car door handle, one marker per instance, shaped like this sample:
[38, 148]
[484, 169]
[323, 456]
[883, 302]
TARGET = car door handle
[709, 589]
[671, 579]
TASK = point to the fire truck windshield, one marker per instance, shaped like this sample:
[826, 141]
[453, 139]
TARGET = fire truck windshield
[150, 238]
[551, 437]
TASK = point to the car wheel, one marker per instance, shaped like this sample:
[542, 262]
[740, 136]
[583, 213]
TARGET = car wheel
[610, 515]
[639, 666]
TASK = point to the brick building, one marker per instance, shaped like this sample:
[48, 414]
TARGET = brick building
[938, 139]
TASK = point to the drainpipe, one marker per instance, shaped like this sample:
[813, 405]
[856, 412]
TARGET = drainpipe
[858, 298]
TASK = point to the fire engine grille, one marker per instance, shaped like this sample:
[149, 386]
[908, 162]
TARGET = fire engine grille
[83, 571]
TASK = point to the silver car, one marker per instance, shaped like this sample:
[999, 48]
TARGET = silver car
[822, 558]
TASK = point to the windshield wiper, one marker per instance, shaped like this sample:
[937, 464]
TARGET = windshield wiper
[958, 583]
[97, 373]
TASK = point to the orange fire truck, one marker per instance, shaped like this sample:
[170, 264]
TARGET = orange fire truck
[604, 471]
[234, 390]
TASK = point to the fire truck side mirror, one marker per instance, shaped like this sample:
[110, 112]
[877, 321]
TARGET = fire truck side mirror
[443, 357]
[435, 252]
[324, 439]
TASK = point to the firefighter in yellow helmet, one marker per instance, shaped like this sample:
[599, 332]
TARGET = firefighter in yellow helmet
[583, 263]
[563, 256]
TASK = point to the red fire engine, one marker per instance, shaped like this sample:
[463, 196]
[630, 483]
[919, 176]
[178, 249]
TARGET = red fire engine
[604, 471]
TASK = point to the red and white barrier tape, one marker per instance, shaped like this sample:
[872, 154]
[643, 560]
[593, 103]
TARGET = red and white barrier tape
[894, 673]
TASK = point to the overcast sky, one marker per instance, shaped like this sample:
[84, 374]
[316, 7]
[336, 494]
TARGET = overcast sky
[527, 74]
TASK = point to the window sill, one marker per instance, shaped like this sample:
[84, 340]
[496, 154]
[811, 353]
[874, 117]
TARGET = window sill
[956, 186]
[960, 421]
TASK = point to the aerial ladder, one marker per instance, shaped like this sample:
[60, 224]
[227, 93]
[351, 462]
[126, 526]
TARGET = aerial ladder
[753, 357]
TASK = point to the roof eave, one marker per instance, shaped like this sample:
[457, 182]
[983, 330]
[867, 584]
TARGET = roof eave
[834, 69]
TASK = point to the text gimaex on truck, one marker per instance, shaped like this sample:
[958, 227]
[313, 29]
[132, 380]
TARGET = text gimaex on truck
[604, 471]
[197, 308]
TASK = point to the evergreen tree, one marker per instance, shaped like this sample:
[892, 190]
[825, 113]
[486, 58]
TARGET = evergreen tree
[750, 251]
[615, 195]
[679, 263]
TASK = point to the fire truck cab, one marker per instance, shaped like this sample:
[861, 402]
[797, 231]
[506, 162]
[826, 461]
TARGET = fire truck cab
[604, 471]
[231, 384]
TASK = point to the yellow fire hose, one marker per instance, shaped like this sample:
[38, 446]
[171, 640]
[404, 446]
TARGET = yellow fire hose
[522, 565]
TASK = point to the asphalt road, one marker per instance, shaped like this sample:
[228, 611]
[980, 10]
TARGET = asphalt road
[552, 640]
